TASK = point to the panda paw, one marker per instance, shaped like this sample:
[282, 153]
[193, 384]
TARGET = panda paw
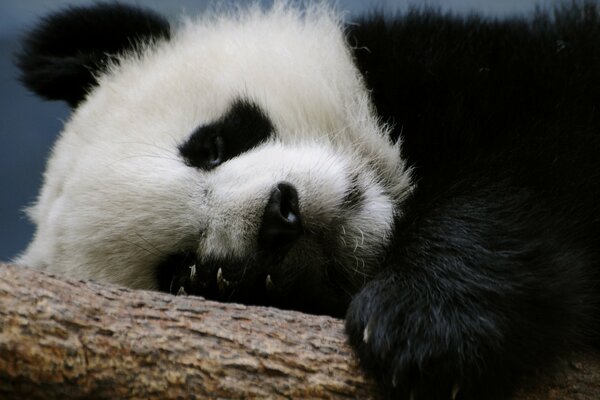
[415, 353]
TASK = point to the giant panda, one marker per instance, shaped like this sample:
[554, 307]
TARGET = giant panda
[434, 178]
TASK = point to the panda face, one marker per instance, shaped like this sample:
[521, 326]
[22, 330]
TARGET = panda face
[239, 160]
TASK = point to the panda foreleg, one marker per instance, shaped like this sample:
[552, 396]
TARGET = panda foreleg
[477, 292]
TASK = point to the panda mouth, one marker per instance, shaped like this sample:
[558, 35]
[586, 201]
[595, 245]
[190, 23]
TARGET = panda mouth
[183, 274]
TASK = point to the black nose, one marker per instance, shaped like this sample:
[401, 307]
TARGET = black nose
[281, 223]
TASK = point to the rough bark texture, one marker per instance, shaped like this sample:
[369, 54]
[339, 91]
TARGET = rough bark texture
[65, 339]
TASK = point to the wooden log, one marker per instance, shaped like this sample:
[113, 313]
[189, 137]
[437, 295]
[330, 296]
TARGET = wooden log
[75, 339]
[67, 339]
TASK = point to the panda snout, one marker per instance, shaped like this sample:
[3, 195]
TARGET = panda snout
[281, 223]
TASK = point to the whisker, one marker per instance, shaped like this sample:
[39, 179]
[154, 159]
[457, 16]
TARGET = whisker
[158, 251]
[139, 246]
[144, 156]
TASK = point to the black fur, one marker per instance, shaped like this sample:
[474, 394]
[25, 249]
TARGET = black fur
[494, 270]
[61, 57]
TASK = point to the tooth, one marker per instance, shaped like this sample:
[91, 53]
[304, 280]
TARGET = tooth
[222, 282]
[181, 291]
[192, 271]
[269, 283]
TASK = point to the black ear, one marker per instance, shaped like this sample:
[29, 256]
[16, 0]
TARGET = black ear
[60, 58]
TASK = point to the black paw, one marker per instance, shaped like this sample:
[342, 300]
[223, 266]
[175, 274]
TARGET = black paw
[424, 347]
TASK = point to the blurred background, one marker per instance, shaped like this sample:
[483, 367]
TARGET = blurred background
[29, 126]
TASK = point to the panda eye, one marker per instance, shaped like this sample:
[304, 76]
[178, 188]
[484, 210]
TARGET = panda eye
[213, 151]
[205, 149]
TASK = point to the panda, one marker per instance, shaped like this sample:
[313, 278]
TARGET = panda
[434, 178]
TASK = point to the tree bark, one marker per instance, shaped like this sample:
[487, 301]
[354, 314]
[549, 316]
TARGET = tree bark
[66, 339]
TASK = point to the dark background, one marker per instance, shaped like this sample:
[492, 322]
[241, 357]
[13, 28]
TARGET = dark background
[29, 126]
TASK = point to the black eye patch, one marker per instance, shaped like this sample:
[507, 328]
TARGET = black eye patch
[241, 128]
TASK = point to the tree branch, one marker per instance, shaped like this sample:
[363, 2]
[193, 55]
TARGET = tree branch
[66, 339]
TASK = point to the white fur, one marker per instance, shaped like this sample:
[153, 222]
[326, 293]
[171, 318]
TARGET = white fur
[117, 196]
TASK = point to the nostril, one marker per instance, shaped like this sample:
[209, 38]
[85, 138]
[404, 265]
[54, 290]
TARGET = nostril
[285, 198]
[281, 222]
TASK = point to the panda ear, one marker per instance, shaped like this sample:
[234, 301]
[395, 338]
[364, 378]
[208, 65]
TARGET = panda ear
[62, 56]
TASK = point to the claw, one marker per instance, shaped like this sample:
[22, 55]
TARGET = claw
[269, 283]
[192, 271]
[367, 332]
[455, 390]
[181, 291]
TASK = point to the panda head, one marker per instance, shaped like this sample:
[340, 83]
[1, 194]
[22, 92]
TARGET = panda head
[236, 156]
